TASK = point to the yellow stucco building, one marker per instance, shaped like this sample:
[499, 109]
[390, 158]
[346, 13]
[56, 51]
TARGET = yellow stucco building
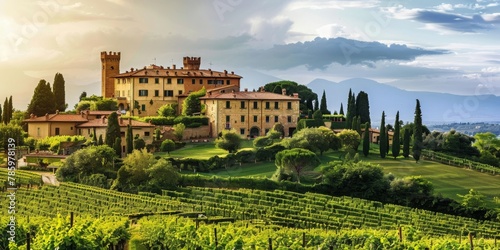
[144, 91]
[251, 113]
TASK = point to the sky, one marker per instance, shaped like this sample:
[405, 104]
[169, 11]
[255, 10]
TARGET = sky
[425, 45]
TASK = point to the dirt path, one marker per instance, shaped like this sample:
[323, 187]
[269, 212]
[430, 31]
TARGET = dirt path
[49, 179]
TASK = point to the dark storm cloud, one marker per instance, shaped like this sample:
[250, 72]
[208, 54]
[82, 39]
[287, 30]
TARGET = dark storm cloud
[456, 22]
[321, 52]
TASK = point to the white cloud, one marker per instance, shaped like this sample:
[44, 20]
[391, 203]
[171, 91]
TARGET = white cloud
[335, 4]
[491, 70]
[335, 30]
[270, 32]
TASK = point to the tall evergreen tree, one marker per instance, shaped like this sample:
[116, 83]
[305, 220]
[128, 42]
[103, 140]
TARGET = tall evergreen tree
[10, 110]
[341, 112]
[117, 146]
[1, 115]
[417, 132]
[82, 95]
[94, 138]
[316, 104]
[43, 101]
[358, 125]
[5, 108]
[363, 107]
[350, 110]
[59, 92]
[323, 107]
[396, 144]
[382, 137]
[112, 130]
[406, 143]
[366, 140]
[387, 140]
[129, 137]
[100, 141]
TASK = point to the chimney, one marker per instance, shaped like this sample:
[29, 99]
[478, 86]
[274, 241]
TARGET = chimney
[57, 111]
[173, 66]
[225, 72]
[232, 72]
[46, 116]
[296, 95]
[32, 115]
[87, 112]
[262, 89]
[283, 91]
[246, 90]
[103, 119]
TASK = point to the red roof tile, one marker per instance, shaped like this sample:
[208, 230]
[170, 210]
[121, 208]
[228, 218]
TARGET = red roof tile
[58, 118]
[157, 71]
[103, 123]
[249, 96]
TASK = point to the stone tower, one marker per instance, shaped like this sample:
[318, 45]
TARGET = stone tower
[192, 63]
[110, 67]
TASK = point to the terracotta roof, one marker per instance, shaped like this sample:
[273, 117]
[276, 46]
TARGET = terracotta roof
[58, 118]
[249, 96]
[99, 112]
[160, 71]
[102, 122]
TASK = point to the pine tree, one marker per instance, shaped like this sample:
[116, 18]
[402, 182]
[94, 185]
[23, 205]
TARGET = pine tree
[363, 107]
[59, 92]
[323, 107]
[382, 137]
[129, 139]
[43, 101]
[113, 129]
[406, 143]
[396, 144]
[417, 132]
[117, 146]
[341, 112]
[366, 140]
[5, 108]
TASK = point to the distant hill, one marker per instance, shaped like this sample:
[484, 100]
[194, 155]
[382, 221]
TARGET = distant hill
[436, 107]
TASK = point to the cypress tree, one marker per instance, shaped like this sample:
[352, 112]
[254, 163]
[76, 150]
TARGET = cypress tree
[42, 101]
[341, 112]
[323, 107]
[358, 125]
[59, 92]
[387, 140]
[112, 130]
[1, 115]
[5, 108]
[100, 142]
[366, 140]
[382, 138]
[363, 107]
[417, 132]
[350, 110]
[316, 103]
[396, 144]
[117, 146]
[94, 139]
[406, 143]
[129, 139]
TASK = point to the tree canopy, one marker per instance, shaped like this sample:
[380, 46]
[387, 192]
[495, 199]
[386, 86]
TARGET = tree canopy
[350, 140]
[192, 104]
[417, 132]
[43, 100]
[230, 140]
[363, 107]
[297, 160]
[382, 142]
[306, 95]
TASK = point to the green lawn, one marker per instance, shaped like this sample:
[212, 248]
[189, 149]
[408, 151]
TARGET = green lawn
[202, 150]
[447, 180]
[261, 169]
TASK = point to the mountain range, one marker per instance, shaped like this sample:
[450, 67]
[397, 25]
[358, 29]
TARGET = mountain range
[436, 107]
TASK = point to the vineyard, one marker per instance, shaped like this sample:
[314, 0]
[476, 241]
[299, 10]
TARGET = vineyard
[282, 217]
[459, 162]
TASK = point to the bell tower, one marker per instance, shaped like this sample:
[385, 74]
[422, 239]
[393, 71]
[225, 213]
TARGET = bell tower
[110, 67]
